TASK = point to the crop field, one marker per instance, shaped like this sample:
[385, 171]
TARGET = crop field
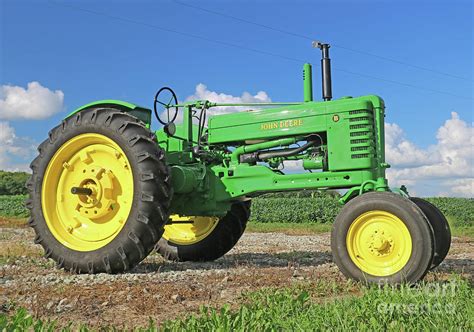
[280, 276]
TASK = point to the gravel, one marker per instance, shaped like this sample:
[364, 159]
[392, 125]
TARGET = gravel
[254, 250]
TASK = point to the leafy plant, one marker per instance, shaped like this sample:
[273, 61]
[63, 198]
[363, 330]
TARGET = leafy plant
[13, 206]
[23, 321]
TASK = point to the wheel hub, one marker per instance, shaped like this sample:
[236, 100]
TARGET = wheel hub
[100, 181]
[380, 243]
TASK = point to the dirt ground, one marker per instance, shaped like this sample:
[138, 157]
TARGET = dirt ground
[166, 290]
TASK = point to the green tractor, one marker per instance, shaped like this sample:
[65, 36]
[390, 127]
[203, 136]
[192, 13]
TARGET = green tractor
[106, 189]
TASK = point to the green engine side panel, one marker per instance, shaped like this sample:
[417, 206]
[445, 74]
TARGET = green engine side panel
[349, 125]
[279, 122]
[139, 112]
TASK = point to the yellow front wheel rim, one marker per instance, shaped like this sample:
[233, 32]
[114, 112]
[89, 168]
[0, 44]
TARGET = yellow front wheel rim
[379, 243]
[189, 230]
[87, 222]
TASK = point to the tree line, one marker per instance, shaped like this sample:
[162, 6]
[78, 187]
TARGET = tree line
[13, 183]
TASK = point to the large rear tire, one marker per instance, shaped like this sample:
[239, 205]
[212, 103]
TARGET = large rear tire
[441, 230]
[203, 238]
[382, 237]
[113, 160]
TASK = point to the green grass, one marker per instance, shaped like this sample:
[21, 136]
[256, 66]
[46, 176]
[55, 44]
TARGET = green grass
[288, 228]
[424, 308]
[463, 231]
[23, 321]
[460, 228]
[321, 305]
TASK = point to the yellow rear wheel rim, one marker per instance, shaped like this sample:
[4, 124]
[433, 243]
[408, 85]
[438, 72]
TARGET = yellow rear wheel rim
[87, 222]
[189, 230]
[379, 243]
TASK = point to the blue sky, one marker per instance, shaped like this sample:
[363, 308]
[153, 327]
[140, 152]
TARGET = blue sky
[91, 56]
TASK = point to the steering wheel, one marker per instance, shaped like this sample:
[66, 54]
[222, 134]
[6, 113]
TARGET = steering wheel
[165, 97]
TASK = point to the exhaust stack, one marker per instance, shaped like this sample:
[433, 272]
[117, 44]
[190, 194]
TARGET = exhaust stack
[325, 70]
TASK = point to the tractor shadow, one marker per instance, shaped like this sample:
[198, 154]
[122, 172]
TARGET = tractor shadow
[458, 266]
[236, 260]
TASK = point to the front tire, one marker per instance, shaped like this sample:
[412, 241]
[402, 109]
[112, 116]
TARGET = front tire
[381, 237]
[114, 157]
[200, 239]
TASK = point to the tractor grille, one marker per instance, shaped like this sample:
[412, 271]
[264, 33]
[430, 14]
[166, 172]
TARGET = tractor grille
[362, 134]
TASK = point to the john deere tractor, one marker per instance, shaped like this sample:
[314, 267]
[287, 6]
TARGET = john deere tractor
[106, 189]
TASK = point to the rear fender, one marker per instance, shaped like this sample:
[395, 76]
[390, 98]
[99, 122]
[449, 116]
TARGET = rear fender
[139, 112]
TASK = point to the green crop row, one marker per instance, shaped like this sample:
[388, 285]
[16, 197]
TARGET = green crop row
[321, 209]
[461, 209]
[13, 206]
[324, 209]
[313, 208]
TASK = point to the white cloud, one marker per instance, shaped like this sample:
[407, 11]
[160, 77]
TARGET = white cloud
[15, 152]
[462, 187]
[35, 102]
[203, 93]
[31, 103]
[7, 133]
[402, 151]
[445, 168]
